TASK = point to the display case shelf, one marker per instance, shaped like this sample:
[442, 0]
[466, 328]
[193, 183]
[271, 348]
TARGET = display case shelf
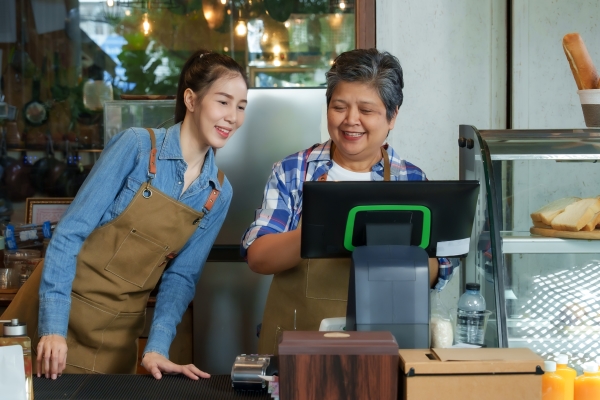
[525, 243]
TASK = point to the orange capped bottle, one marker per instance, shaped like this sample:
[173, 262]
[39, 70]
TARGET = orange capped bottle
[553, 385]
[587, 386]
[568, 373]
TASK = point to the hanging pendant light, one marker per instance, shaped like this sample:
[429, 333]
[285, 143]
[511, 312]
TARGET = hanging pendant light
[241, 29]
[146, 24]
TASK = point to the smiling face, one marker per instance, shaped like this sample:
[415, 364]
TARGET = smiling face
[219, 113]
[357, 124]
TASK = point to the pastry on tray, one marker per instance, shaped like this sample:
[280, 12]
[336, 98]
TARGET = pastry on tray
[569, 214]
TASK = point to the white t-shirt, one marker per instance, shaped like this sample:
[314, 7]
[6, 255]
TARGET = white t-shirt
[337, 173]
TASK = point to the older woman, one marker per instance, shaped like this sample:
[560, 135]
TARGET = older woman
[364, 95]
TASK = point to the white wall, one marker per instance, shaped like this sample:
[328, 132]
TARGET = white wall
[544, 91]
[454, 58]
[453, 54]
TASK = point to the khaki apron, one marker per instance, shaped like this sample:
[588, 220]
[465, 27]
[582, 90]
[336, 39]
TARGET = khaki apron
[300, 297]
[118, 266]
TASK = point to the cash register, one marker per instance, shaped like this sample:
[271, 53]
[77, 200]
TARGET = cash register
[390, 230]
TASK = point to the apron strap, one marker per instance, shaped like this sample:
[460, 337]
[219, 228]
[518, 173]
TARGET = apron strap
[387, 174]
[152, 161]
[215, 193]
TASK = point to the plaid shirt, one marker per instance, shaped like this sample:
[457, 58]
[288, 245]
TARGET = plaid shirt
[281, 208]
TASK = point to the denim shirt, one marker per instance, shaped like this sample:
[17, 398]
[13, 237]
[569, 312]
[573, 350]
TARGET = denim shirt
[108, 190]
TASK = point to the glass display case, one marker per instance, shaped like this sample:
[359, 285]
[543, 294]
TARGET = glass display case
[543, 291]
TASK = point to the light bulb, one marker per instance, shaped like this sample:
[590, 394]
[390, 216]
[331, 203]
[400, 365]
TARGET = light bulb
[276, 49]
[342, 5]
[110, 3]
[287, 24]
[223, 2]
[146, 24]
[127, 12]
[241, 29]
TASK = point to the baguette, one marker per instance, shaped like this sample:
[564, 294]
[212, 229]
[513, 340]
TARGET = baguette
[546, 214]
[577, 215]
[581, 63]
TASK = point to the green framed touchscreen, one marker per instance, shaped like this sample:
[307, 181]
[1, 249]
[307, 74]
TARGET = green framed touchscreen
[426, 232]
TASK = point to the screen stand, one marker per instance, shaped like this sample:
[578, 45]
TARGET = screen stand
[389, 291]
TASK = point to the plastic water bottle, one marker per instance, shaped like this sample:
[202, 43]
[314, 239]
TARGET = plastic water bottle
[471, 318]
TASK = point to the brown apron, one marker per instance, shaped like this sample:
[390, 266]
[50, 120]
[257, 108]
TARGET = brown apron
[300, 297]
[118, 266]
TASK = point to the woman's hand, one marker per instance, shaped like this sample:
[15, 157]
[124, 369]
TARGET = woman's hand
[157, 364]
[52, 354]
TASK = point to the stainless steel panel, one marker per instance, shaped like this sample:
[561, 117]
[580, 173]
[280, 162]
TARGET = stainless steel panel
[278, 122]
[227, 308]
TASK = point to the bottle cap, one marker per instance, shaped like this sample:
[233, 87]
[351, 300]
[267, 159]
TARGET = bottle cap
[562, 359]
[473, 286]
[590, 367]
[15, 328]
[549, 366]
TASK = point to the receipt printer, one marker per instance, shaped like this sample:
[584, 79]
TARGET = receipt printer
[389, 291]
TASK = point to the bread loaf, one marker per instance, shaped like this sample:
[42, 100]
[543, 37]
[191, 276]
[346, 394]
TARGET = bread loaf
[592, 224]
[540, 224]
[577, 215]
[581, 63]
[546, 214]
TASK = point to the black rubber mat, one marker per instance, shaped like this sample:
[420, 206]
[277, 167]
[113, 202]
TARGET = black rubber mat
[133, 387]
[58, 389]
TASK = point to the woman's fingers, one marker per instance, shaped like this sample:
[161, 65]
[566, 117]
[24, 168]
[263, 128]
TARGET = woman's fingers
[155, 371]
[197, 371]
[190, 370]
[52, 356]
[156, 364]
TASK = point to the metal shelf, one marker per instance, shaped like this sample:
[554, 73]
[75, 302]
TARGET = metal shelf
[524, 243]
[571, 157]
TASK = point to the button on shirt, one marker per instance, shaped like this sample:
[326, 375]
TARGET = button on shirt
[282, 201]
[108, 190]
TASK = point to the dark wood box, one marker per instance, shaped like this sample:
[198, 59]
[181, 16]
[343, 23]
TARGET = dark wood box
[338, 366]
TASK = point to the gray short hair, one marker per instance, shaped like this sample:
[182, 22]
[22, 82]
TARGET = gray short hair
[381, 70]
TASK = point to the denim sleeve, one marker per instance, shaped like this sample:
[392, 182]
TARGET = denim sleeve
[95, 196]
[179, 280]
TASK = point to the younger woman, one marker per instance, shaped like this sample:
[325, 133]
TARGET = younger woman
[151, 207]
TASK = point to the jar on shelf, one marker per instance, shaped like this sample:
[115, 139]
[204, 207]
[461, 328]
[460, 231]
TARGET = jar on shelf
[15, 261]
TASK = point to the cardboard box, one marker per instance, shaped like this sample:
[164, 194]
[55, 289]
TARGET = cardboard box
[470, 374]
[338, 366]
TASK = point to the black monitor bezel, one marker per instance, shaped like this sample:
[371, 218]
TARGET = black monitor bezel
[326, 206]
